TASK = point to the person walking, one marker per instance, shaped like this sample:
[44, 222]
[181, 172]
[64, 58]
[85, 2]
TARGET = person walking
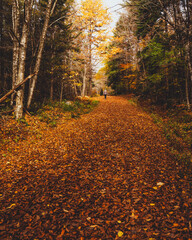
[105, 93]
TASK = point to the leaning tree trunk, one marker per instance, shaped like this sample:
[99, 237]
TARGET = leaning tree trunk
[39, 54]
[22, 58]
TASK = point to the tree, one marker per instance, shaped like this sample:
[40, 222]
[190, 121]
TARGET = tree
[5, 47]
[160, 62]
[20, 46]
[121, 55]
[49, 11]
[94, 18]
[171, 19]
[20, 59]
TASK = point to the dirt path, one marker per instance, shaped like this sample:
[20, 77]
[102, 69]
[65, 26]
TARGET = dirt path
[108, 175]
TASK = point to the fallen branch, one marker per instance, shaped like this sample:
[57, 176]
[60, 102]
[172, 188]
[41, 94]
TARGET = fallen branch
[17, 86]
[27, 112]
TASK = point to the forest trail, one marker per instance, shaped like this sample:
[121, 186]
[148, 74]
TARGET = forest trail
[108, 175]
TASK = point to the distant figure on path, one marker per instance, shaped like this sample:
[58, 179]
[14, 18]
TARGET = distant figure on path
[105, 93]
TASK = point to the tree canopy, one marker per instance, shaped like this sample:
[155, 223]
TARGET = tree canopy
[158, 37]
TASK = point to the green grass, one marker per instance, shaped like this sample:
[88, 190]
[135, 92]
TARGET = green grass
[133, 101]
[50, 113]
[176, 125]
[177, 128]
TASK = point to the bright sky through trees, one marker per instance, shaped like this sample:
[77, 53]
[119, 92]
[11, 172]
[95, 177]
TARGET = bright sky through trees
[114, 8]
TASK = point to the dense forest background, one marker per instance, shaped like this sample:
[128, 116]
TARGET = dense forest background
[57, 45]
[150, 53]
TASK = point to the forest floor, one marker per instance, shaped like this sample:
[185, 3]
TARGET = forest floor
[106, 175]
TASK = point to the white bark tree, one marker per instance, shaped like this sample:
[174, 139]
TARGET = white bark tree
[20, 54]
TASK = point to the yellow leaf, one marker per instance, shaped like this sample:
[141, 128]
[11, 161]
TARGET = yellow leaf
[152, 204]
[120, 234]
[12, 205]
[148, 220]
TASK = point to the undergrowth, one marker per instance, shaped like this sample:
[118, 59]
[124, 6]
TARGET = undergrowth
[51, 112]
[47, 114]
[176, 124]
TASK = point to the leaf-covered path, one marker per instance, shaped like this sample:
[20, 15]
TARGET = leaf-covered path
[108, 175]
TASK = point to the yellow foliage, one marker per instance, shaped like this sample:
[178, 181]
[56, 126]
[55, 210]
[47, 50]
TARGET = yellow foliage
[128, 66]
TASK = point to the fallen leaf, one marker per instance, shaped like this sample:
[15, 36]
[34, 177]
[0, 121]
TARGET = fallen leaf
[120, 234]
[93, 226]
[12, 205]
[160, 184]
[152, 204]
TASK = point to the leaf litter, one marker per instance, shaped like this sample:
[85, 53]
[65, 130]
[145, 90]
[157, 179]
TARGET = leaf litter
[107, 175]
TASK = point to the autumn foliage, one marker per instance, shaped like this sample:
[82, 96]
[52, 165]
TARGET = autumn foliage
[106, 175]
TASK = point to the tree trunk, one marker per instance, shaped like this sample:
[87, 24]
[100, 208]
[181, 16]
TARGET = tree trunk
[84, 81]
[2, 68]
[22, 58]
[89, 87]
[188, 51]
[39, 54]
[75, 89]
[15, 23]
[61, 93]
[52, 59]
[189, 72]
[51, 90]
[187, 92]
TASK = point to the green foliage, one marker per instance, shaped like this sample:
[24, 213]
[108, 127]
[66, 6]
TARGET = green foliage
[133, 101]
[148, 13]
[23, 121]
[52, 111]
[116, 75]
[177, 128]
[163, 67]
[48, 118]
[162, 73]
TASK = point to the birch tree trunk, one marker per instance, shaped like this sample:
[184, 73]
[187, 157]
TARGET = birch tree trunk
[15, 23]
[22, 58]
[40, 51]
